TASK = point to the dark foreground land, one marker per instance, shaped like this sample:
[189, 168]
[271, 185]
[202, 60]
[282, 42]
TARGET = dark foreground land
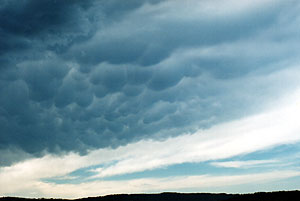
[262, 196]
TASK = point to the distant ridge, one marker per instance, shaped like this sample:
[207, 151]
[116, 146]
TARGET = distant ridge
[167, 196]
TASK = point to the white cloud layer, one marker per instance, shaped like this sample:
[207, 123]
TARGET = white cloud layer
[243, 164]
[96, 188]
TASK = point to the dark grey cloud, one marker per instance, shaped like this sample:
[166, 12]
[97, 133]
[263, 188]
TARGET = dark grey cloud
[148, 36]
[50, 22]
[79, 75]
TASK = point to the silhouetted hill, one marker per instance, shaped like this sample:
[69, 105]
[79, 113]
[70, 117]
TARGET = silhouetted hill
[262, 196]
[163, 197]
[273, 196]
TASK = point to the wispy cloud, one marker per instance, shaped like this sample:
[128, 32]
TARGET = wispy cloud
[244, 164]
[41, 189]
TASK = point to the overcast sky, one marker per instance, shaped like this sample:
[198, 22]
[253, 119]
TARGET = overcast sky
[114, 96]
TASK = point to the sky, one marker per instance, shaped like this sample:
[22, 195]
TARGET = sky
[145, 96]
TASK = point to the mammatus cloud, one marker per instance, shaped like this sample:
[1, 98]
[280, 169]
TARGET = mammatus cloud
[98, 74]
[111, 88]
[254, 133]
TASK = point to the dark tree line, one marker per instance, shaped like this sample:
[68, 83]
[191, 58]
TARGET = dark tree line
[261, 196]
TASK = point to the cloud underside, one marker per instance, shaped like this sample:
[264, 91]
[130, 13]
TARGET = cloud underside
[98, 74]
[263, 131]
[93, 90]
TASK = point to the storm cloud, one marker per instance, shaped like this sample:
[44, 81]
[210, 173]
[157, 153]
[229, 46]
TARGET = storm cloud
[81, 75]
